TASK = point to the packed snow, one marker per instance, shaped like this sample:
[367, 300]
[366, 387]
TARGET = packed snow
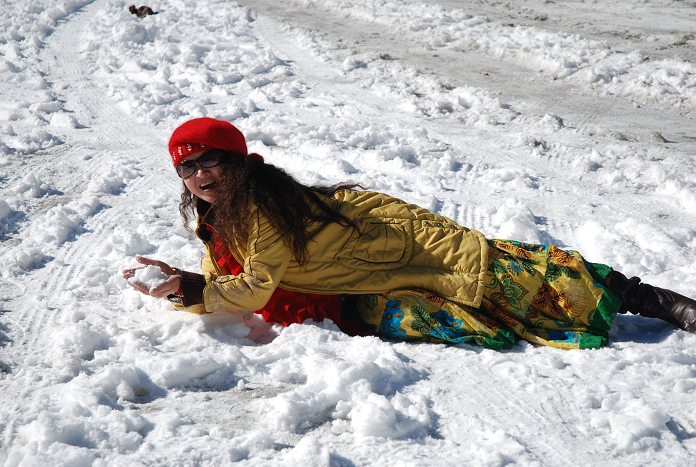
[150, 276]
[564, 122]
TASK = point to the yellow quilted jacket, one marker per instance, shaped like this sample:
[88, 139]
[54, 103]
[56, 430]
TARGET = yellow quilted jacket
[400, 246]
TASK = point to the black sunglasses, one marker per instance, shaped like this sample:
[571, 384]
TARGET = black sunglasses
[207, 160]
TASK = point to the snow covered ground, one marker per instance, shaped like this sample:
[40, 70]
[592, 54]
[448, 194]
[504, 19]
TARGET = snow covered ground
[563, 122]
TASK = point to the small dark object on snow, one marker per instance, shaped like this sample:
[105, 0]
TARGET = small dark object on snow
[4, 368]
[142, 12]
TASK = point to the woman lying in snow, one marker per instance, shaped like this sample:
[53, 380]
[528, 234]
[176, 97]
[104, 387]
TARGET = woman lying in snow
[374, 264]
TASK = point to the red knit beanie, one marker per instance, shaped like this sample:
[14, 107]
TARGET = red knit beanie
[201, 133]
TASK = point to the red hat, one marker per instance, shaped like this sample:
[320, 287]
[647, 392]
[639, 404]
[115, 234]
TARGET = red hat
[201, 133]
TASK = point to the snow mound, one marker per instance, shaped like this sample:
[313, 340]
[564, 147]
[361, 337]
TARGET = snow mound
[31, 186]
[343, 379]
[46, 234]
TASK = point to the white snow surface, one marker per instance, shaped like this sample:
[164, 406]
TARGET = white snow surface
[564, 122]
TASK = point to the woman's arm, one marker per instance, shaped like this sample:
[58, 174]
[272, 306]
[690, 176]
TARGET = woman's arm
[267, 258]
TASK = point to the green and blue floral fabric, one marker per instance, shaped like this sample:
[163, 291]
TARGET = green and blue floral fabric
[538, 293]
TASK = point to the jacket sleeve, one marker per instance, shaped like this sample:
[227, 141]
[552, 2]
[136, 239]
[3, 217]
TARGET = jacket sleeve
[207, 266]
[266, 260]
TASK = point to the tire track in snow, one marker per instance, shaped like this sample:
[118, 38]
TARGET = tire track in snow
[584, 113]
[88, 99]
[517, 85]
[490, 397]
[323, 78]
[107, 128]
[647, 29]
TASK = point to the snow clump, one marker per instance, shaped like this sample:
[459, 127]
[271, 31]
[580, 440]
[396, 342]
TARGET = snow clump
[31, 186]
[150, 276]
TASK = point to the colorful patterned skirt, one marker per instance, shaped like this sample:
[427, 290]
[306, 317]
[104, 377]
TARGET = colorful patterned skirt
[538, 293]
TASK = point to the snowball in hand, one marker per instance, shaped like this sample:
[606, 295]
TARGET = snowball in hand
[150, 276]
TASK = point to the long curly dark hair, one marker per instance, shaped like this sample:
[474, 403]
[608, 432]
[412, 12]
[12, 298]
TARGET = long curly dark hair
[246, 181]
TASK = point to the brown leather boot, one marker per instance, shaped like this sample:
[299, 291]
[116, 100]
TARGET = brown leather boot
[653, 302]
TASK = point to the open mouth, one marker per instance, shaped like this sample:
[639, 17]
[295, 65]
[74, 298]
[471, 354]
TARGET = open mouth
[207, 186]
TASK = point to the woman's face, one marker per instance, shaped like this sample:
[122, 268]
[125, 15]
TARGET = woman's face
[203, 182]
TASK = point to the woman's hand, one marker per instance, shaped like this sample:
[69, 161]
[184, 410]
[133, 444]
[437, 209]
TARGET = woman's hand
[168, 287]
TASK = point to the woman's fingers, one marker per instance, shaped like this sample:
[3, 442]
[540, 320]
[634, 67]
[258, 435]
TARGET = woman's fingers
[139, 286]
[146, 261]
[168, 287]
[153, 262]
[128, 273]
